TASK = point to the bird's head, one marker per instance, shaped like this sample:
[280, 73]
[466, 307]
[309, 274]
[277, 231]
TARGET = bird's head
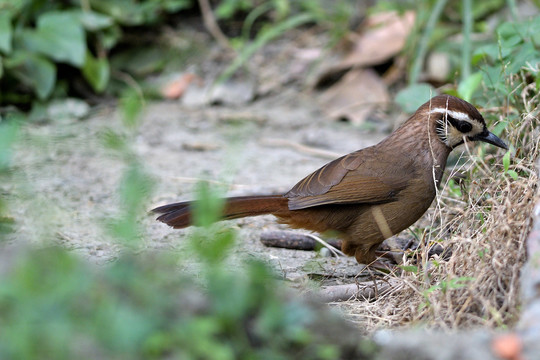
[457, 121]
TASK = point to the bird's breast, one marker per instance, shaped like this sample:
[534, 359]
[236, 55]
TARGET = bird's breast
[412, 203]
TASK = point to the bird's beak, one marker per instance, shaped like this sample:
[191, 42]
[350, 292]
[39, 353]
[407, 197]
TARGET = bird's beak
[490, 138]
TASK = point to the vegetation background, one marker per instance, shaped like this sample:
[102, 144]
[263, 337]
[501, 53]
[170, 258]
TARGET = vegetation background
[71, 59]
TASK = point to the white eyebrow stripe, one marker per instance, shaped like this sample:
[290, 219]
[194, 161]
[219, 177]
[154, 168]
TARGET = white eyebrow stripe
[455, 114]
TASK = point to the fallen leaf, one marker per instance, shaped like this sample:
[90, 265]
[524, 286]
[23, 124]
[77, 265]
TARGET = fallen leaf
[355, 96]
[382, 37]
[199, 146]
[176, 88]
[508, 346]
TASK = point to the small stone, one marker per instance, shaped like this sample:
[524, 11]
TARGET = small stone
[325, 252]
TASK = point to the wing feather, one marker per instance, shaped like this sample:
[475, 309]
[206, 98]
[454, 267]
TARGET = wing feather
[355, 178]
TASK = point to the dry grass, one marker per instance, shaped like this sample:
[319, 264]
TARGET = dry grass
[485, 228]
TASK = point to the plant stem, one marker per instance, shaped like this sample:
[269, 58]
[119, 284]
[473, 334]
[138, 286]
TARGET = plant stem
[466, 46]
[212, 26]
[262, 39]
[513, 9]
[426, 35]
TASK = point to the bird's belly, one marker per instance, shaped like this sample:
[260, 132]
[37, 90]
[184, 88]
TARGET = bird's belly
[363, 226]
[383, 221]
[379, 222]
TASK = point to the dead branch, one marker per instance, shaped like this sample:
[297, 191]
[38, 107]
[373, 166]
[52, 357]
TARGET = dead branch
[363, 291]
[212, 26]
[301, 148]
[293, 240]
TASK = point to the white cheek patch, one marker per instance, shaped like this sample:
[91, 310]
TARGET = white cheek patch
[454, 137]
[477, 128]
[449, 134]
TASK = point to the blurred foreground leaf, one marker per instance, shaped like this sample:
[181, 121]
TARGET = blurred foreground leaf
[131, 105]
[5, 33]
[33, 70]
[8, 136]
[56, 306]
[413, 96]
[96, 72]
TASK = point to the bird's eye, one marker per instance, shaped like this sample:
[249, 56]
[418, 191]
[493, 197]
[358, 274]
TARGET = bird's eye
[460, 125]
[464, 126]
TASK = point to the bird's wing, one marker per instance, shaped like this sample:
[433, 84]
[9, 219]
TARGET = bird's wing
[356, 178]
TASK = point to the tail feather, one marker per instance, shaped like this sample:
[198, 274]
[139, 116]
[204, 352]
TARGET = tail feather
[178, 215]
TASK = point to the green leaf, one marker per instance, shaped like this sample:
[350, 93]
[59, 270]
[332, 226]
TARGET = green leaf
[527, 53]
[506, 161]
[454, 188]
[110, 36]
[211, 246]
[33, 70]
[38, 114]
[13, 7]
[498, 129]
[467, 87]
[227, 9]
[59, 35]
[510, 43]
[136, 185]
[513, 174]
[413, 269]
[494, 78]
[490, 50]
[96, 72]
[6, 33]
[112, 140]
[508, 30]
[93, 21]
[131, 104]
[8, 135]
[264, 36]
[129, 12]
[141, 60]
[209, 205]
[414, 95]
[176, 5]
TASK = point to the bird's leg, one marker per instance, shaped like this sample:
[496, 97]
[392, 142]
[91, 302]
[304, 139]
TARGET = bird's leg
[382, 266]
[393, 248]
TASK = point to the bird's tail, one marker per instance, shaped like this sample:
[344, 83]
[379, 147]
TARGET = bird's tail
[178, 215]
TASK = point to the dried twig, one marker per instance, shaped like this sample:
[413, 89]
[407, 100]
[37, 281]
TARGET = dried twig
[212, 25]
[293, 240]
[364, 291]
[301, 148]
[332, 249]
[194, 180]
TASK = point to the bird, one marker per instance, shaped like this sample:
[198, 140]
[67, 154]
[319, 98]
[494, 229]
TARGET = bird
[372, 193]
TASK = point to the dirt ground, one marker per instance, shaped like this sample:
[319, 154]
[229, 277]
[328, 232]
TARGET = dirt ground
[69, 180]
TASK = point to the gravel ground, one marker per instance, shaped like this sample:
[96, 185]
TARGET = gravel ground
[67, 180]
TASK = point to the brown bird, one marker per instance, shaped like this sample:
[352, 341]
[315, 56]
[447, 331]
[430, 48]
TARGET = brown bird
[373, 193]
